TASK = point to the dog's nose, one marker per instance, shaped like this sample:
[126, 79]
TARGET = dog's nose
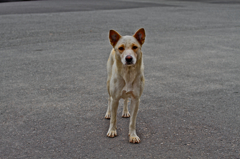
[129, 58]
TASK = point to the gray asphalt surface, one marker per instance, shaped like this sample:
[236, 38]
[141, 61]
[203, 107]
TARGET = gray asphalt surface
[53, 93]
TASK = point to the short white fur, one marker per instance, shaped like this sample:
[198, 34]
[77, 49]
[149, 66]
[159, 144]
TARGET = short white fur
[125, 80]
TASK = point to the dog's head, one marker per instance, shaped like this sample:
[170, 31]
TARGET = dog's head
[128, 48]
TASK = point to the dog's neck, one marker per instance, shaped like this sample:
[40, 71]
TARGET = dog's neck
[129, 74]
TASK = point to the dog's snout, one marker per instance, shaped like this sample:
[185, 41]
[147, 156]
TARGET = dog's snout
[129, 59]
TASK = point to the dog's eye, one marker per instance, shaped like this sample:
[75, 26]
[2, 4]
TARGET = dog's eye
[134, 47]
[121, 48]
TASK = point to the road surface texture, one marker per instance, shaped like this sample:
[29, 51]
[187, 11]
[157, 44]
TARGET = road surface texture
[53, 94]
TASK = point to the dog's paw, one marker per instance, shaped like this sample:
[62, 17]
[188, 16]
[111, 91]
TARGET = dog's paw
[134, 139]
[125, 114]
[112, 133]
[107, 115]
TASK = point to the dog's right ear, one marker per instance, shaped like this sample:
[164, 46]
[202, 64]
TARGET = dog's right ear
[114, 37]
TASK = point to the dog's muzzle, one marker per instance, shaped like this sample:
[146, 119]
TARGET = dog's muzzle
[129, 60]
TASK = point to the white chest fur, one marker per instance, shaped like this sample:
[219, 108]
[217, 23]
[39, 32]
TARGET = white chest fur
[129, 75]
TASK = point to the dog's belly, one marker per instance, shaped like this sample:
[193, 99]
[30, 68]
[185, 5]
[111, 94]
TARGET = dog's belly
[126, 95]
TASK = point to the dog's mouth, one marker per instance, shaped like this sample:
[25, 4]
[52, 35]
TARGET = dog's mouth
[129, 63]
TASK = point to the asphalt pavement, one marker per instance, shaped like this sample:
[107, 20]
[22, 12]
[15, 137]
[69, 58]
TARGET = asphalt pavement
[53, 94]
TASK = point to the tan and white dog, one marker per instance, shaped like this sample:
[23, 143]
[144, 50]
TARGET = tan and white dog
[125, 79]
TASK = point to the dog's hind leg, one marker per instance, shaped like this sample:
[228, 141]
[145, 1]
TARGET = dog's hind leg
[108, 113]
[125, 112]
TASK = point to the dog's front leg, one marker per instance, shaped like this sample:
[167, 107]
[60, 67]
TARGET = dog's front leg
[132, 125]
[112, 131]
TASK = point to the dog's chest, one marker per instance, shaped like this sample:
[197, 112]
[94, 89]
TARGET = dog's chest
[129, 76]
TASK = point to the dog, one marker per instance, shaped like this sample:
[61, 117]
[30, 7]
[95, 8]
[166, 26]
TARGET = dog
[125, 79]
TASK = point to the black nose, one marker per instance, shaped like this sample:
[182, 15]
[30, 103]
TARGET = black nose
[129, 59]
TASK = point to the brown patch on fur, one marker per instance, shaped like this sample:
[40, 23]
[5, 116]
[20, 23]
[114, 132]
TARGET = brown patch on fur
[119, 48]
[135, 50]
[135, 46]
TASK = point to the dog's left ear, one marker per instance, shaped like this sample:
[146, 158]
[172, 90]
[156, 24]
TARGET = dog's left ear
[140, 36]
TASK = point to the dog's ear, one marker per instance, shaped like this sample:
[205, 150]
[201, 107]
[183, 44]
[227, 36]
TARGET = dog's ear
[140, 36]
[114, 37]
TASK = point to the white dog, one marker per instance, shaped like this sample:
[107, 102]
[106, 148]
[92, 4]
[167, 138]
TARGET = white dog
[125, 79]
